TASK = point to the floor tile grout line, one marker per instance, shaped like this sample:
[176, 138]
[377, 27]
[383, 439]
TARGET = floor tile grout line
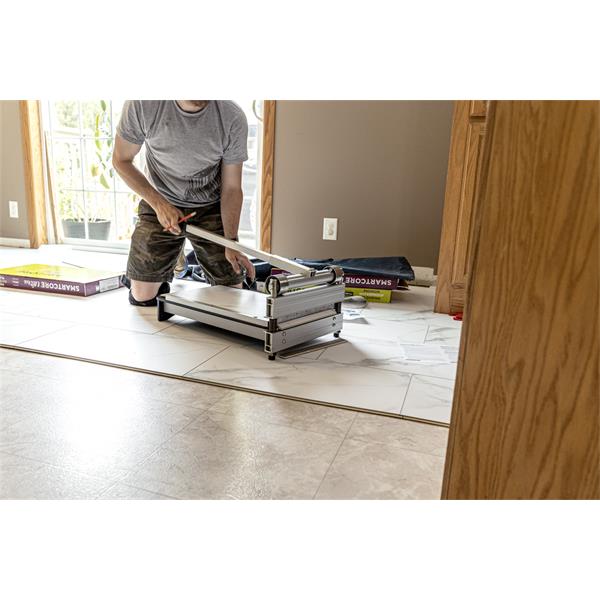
[396, 446]
[139, 464]
[294, 427]
[406, 393]
[78, 323]
[62, 467]
[186, 374]
[169, 403]
[37, 337]
[334, 457]
[85, 323]
[134, 487]
[112, 480]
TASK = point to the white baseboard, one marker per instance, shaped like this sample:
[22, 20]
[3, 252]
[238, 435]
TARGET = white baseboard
[14, 242]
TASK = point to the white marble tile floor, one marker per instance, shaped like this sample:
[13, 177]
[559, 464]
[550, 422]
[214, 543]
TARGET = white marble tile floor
[399, 358]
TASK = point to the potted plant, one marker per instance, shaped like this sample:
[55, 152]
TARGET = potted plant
[73, 218]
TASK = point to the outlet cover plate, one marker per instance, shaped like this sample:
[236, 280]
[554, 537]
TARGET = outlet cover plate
[13, 209]
[330, 227]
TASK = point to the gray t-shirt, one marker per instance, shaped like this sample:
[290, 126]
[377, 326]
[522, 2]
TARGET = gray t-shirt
[184, 151]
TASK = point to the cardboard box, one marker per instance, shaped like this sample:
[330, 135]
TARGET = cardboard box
[371, 282]
[371, 295]
[56, 279]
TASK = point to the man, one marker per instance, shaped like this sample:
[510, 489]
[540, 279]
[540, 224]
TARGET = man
[194, 155]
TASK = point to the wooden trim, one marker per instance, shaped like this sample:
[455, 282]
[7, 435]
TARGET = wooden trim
[33, 162]
[454, 417]
[450, 221]
[464, 167]
[57, 230]
[525, 420]
[268, 156]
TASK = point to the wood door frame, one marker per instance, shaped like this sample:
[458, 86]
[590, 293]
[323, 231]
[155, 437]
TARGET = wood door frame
[33, 163]
[525, 422]
[461, 188]
[266, 187]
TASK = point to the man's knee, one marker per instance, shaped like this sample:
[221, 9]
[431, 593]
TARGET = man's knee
[144, 290]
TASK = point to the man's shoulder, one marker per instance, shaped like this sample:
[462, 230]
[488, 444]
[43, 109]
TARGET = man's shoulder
[230, 110]
[145, 108]
[149, 106]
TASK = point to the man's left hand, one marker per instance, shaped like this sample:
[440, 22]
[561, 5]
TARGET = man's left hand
[239, 260]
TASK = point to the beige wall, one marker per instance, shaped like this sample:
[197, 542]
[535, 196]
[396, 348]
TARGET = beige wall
[379, 167]
[12, 179]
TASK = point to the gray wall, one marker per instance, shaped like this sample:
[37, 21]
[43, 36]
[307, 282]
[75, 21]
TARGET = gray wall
[12, 178]
[379, 167]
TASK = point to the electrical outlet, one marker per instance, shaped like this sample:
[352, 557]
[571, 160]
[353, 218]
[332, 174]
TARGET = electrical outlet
[330, 228]
[13, 209]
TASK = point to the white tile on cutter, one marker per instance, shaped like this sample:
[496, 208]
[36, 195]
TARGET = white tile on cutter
[187, 329]
[429, 398]
[15, 329]
[301, 377]
[141, 350]
[239, 301]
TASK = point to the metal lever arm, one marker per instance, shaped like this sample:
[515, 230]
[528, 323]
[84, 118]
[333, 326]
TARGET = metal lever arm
[277, 261]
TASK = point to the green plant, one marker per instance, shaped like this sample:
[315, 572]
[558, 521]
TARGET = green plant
[101, 170]
[83, 166]
[69, 208]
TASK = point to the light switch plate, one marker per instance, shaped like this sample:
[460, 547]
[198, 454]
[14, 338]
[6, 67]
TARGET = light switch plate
[330, 226]
[13, 209]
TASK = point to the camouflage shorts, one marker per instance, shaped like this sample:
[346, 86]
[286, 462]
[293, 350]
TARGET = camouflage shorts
[154, 252]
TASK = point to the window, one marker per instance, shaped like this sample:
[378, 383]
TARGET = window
[92, 202]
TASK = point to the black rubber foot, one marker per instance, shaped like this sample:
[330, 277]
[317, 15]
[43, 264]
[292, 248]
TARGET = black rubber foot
[336, 334]
[162, 315]
[271, 357]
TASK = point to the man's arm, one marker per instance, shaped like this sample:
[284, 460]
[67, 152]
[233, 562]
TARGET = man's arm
[231, 208]
[122, 160]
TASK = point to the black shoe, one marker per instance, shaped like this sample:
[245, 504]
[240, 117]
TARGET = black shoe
[164, 288]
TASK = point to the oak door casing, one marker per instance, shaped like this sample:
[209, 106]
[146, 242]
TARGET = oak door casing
[468, 132]
[526, 413]
[33, 159]
[266, 187]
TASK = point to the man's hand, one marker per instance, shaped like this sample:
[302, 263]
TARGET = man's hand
[168, 216]
[239, 260]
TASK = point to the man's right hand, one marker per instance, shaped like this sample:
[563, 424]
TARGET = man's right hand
[168, 216]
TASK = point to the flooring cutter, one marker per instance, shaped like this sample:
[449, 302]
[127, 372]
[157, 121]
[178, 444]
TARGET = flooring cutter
[296, 308]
